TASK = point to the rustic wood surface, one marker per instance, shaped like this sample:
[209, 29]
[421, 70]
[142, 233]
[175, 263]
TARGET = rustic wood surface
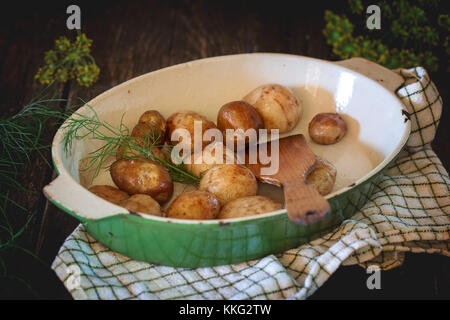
[136, 37]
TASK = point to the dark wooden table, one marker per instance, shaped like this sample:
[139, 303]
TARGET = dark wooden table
[135, 37]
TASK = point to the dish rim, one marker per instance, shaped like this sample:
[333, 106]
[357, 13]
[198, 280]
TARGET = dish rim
[61, 170]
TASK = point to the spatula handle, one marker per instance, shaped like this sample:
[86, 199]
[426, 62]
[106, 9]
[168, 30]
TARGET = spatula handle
[304, 204]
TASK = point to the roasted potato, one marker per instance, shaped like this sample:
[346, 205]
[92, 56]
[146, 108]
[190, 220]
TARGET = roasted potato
[248, 206]
[142, 176]
[194, 205]
[229, 182]
[148, 134]
[142, 203]
[109, 193]
[185, 120]
[327, 128]
[154, 119]
[239, 115]
[323, 176]
[277, 106]
[128, 149]
[207, 159]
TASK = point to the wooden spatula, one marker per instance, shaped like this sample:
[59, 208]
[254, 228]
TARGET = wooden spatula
[296, 160]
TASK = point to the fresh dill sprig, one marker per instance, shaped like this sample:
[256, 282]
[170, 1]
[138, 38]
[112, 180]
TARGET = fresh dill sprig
[412, 34]
[69, 60]
[22, 135]
[114, 139]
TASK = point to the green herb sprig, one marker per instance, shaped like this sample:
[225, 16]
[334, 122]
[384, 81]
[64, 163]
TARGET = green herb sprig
[22, 135]
[411, 34]
[81, 126]
[69, 60]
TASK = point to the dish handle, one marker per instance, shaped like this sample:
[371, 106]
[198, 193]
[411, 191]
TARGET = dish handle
[78, 201]
[384, 76]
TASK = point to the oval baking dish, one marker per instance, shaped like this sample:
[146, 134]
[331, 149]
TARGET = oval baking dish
[377, 131]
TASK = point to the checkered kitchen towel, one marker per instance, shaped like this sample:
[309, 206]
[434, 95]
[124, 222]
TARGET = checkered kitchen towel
[409, 211]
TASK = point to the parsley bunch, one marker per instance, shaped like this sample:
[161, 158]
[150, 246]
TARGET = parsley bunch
[69, 60]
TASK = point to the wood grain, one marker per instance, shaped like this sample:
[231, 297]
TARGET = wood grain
[136, 37]
[295, 160]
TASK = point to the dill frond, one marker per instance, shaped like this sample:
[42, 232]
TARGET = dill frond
[69, 60]
[22, 135]
[113, 139]
[411, 34]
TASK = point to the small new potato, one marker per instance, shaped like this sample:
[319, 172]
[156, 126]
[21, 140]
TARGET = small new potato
[327, 128]
[248, 206]
[128, 149]
[109, 193]
[239, 115]
[208, 158]
[229, 182]
[142, 176]
[154, 119]
[185, 120]
[148, 134]
[194, 205]
[151, 127]
[323, 176]
[277, 105]
[142, 203]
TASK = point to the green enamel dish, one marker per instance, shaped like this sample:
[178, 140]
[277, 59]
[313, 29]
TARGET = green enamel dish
[377, 131]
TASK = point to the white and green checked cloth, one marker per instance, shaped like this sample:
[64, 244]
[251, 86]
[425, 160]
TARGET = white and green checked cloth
[409, 211]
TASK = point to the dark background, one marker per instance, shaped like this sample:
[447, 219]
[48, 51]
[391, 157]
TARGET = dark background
[135, 37]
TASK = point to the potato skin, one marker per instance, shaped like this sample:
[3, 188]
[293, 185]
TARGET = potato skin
[185, 120]
[148, 134]
[109, 193]
[155, 119]
[142, 176]
[327, 128]
[194, 205]
[208, 155]
[248, 206]
[229, 182]
[239, 115]
[142, 203]
[323, 176]
[150, 130]
[127, 151]
[277, 105]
